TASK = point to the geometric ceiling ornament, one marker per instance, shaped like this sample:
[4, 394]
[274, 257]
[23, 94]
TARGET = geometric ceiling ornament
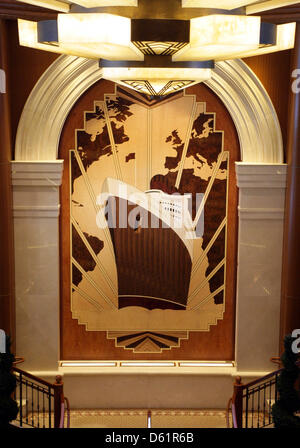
[164, 88]
[152, 79]
[160, 37]
[131, 31]
[148, 341]
[159, 48]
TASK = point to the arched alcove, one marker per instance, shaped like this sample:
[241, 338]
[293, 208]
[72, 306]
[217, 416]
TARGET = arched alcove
[69, 77]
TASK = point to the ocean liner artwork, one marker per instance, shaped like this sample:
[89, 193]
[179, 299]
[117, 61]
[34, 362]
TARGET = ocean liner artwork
[152, 235]
[148, 215]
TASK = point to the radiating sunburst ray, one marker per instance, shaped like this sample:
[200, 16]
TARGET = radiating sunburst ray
[98, 209]
[112, 141]
[96, 259]
[221, 158]
[87, 297]
[186, 143]
[199, 261]
[206, 280]
[210, 296]
[94, 284]
[195, 298]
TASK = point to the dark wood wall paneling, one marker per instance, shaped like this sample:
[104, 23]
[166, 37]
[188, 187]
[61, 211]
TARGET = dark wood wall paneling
[274, 69]
[274, 72]
[290, 299]
[26, 66]
[7, 292]
[23, 67]
[12, 9]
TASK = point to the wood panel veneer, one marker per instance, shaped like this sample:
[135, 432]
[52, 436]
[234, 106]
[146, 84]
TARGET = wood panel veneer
[290, 298]
[7, 293]
[273, 70]
[26, 66]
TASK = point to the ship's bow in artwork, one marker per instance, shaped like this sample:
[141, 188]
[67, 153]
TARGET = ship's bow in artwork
[153, 244]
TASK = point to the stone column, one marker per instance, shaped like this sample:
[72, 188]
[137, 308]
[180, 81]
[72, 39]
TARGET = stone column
[7, 299]
[36, 208]
[290, 299]
[261, 218]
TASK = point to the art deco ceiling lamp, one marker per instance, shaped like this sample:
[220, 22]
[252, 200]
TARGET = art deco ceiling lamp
[157, 47]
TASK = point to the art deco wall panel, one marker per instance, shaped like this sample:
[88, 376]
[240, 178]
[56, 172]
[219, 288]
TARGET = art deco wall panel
[148, 226]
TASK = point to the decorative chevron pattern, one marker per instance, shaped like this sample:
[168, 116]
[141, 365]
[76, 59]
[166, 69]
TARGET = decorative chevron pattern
[147, 341]
[159, 48]
[144, 86]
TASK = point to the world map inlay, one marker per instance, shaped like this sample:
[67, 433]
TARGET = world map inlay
[148, 287]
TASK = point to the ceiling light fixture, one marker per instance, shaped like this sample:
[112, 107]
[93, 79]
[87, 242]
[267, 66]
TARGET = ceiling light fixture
[156, 76]
[220, 35]
[95, 3]
[256, 6]
[157, 48]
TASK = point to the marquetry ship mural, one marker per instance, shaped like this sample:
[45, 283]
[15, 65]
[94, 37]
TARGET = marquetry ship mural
[148, 181]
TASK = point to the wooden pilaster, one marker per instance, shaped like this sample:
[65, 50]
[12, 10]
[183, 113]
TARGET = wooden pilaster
[290, 299]
[7, 296]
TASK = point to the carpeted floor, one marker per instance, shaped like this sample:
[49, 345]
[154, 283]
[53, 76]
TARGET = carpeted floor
[138, 418]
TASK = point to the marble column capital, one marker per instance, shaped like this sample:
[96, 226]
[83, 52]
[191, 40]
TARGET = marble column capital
[37, 173]
[261, 175]
[36, 188]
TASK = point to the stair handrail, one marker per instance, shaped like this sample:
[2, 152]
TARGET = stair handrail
[58, 394]
[236, 402]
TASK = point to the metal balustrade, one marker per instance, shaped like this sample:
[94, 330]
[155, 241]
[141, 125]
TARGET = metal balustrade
[41, 403]
[251, 403]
